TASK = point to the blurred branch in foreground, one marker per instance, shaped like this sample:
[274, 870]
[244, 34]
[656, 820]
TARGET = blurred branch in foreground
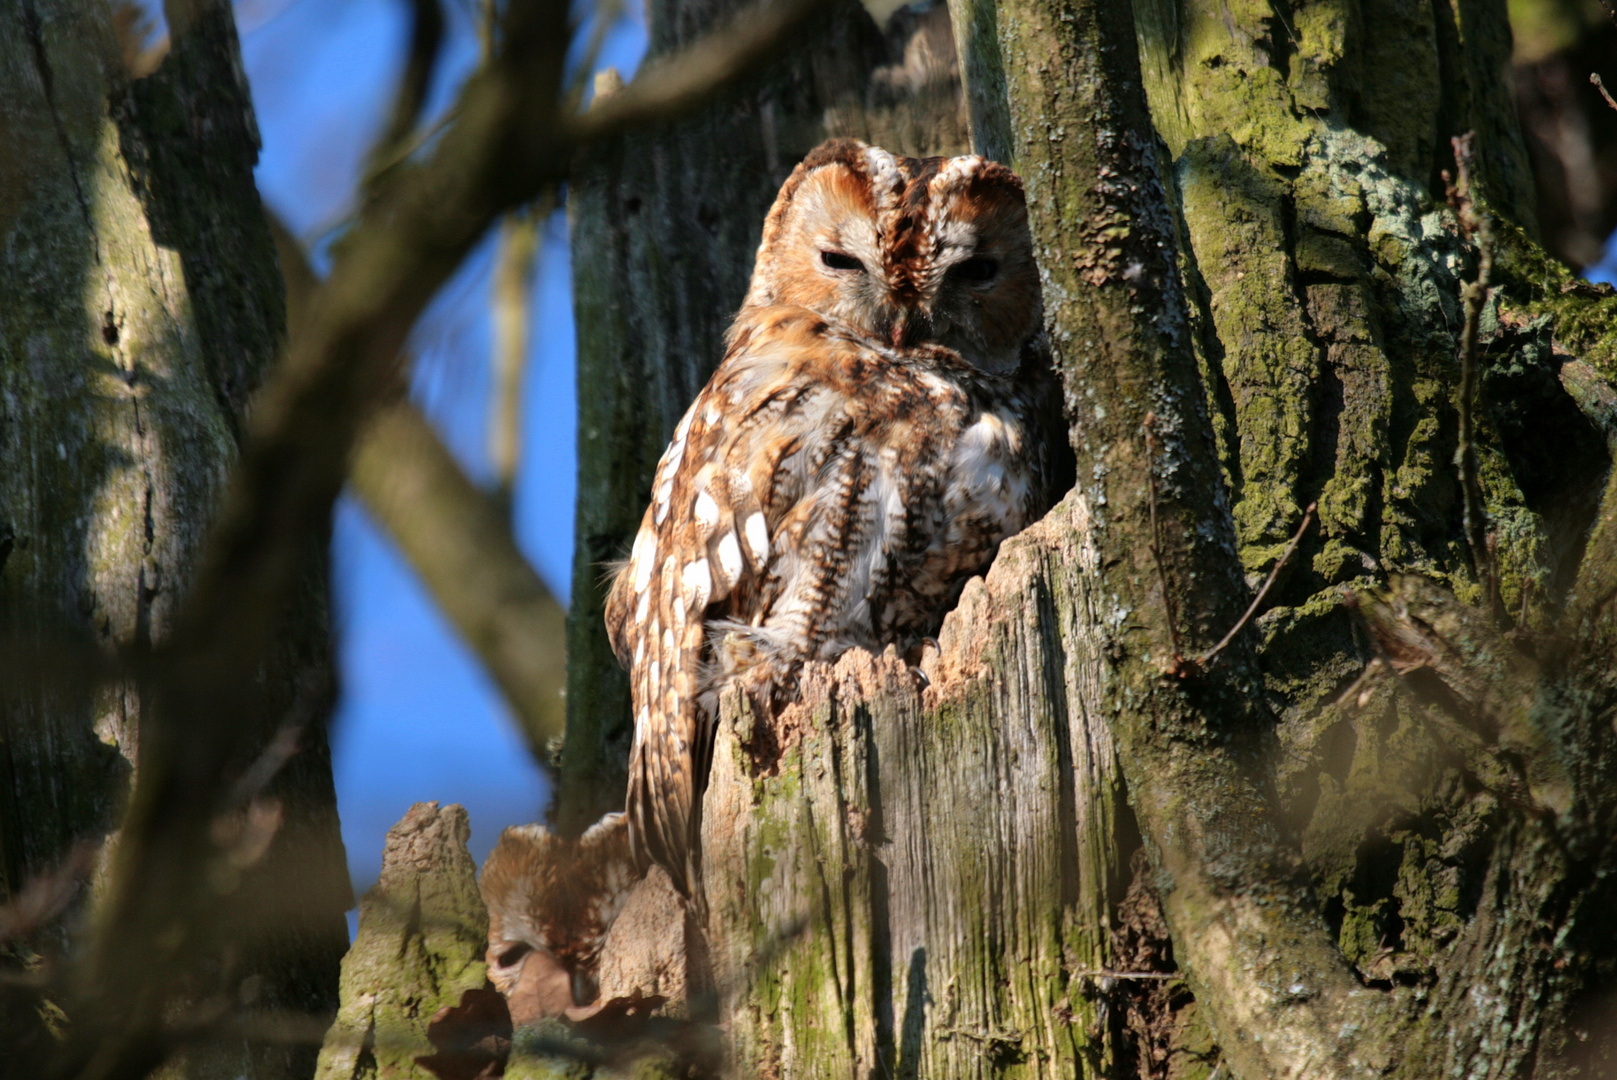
[513, 297]
[456, 540]
[1561, 48]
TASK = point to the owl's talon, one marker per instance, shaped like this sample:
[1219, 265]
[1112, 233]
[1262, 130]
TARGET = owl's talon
[916, 654]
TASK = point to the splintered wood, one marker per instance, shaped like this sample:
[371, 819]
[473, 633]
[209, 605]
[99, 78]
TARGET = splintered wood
[907, 887]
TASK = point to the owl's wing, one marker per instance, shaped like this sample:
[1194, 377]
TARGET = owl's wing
[731, 472]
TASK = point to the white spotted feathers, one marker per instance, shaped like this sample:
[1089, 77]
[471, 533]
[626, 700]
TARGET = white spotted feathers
[877, 427]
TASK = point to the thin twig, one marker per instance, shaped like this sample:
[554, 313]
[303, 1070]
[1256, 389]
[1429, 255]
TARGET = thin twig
[1101, 973]
[410, 99]
[1594, 77]
[1478, 228]
[1252, 608]
[1150, 428]
[666, 88]
[281, 749]
[45, 895]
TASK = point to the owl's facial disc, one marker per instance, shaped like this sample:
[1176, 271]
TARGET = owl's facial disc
[872, 302]
[908, 251]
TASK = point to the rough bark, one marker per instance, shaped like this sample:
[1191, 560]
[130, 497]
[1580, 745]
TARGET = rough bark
[664, 225]
[1326, 186]
[143, 306]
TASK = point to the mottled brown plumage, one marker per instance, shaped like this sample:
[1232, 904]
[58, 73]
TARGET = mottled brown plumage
[875, 429]
[550, 903]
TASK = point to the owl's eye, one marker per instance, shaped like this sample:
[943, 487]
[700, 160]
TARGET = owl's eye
[840, 260]
[511, 955]
[978, 268]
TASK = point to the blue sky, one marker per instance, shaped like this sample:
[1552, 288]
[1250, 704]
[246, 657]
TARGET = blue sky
[418, 720]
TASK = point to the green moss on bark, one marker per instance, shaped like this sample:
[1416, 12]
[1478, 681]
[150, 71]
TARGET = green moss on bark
[422, 932]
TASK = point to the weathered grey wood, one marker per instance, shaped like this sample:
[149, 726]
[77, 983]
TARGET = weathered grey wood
[142, 304]
[922, 884]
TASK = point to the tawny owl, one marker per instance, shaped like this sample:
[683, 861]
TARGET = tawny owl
[875, 429]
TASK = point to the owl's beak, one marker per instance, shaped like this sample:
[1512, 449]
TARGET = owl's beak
[909, 326]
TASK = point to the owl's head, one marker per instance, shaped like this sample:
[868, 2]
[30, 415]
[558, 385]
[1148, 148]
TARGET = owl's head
[909, 251]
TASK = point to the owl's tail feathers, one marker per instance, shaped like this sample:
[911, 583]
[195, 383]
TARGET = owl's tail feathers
[661, 830]
[664, 810]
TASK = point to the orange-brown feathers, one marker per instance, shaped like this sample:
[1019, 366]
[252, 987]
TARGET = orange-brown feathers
[873, 433]
[550, 903]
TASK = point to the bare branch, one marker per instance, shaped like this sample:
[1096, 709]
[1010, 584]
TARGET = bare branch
[513, 285]
[669, 87]
[1596, 398]
[456, 540]
[1594, 77]
[132, 26]
[426, 43]
[1268, 583]
[461, 546]
[45, 896]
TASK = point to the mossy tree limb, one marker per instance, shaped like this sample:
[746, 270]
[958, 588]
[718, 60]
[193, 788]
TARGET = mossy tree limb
[1151, 503]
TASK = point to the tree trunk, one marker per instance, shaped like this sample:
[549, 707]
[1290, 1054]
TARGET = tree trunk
[143, 305]
[419, 949]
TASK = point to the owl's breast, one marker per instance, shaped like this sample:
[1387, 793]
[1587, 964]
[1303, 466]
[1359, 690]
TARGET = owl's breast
[889, 478]
[986, 482]
[990, 474]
